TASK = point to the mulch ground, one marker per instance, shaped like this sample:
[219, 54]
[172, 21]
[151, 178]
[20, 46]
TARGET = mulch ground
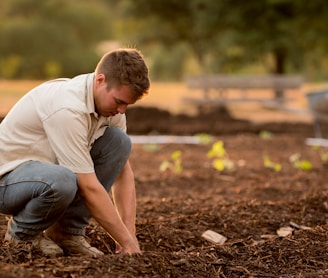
[247, 204]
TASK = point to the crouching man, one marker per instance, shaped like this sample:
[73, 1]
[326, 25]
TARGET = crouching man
[63, 146]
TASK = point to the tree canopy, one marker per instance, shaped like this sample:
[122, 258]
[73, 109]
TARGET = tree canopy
[226, 34]
[41, 39]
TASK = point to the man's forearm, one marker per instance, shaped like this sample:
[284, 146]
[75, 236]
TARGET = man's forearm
[102, 209]
[124, 196]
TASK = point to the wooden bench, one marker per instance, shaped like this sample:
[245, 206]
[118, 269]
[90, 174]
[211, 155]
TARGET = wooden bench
[215, 88]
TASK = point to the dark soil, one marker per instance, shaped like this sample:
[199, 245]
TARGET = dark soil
[246, 204]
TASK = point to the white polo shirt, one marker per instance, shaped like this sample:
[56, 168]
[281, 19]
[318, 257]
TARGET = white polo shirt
[55, 123]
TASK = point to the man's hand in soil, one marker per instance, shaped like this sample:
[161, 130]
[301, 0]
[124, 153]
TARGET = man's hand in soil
[121, 250]
[103, 210]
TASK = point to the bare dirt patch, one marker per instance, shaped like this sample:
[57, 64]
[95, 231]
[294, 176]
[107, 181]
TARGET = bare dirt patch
[247, 204]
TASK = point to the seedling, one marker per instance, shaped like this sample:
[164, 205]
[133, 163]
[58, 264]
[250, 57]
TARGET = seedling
[204, 138]
[150, 147]
[266, 135]
[220, 157]
[298, 163]
[270, 164]
[174, 163]
[322, 154]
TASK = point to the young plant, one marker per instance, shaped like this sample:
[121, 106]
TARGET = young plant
[204, 138]
[174, 163]
[220, 157]
[298, 163]
[265, 135]
[270, 164]
[323, 154]
[150, 147]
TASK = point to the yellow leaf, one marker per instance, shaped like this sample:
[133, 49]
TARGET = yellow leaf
[218, 164]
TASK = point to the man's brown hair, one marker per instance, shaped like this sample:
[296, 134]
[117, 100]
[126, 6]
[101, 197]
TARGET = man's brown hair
[125, 66]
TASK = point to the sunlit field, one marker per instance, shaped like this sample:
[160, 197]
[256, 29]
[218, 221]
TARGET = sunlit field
[170, 96]
[162, 95]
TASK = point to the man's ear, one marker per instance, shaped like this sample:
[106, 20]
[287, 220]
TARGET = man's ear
[100, 78]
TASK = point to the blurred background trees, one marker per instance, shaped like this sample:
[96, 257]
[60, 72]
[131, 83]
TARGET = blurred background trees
[45, 39]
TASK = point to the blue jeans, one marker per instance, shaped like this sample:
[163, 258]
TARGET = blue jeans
[39, 195]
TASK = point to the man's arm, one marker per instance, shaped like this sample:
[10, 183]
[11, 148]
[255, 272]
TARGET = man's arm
[102, 209]
[124, 196]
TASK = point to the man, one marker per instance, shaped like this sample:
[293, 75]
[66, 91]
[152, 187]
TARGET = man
[63, 146]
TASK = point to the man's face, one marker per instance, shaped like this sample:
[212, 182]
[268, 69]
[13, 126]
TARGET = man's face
[113, 101]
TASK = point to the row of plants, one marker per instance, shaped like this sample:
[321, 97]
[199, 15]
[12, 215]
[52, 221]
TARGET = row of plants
[220, 160]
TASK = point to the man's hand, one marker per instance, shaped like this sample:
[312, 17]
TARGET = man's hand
[124, 196]
[101, 207]
[121, 250]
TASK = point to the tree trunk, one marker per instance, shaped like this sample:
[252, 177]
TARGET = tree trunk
[280, 55]
[199, 53]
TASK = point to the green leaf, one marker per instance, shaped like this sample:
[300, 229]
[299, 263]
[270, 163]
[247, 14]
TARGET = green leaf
[303, 165]
[150, 147]
[217, 150]
[176, 154]
[270, 164]
[204, 138]
[178, 168]
[266, 135]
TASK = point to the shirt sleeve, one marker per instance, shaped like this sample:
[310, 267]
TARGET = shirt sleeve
[119, 120]
[67, 133]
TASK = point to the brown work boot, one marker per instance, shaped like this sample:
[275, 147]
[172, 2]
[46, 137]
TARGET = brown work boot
[46, 246]
[73, 244]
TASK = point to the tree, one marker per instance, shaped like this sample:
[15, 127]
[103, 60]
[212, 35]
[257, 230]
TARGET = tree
[236, 32]
[172, 21]
[42, 39]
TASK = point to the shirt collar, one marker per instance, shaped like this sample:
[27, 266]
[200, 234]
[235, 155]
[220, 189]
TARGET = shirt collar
[90, 102]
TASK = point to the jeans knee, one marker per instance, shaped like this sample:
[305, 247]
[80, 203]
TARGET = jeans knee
[126, 144]
[64, 185]
[113, 144]
[123, 141]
